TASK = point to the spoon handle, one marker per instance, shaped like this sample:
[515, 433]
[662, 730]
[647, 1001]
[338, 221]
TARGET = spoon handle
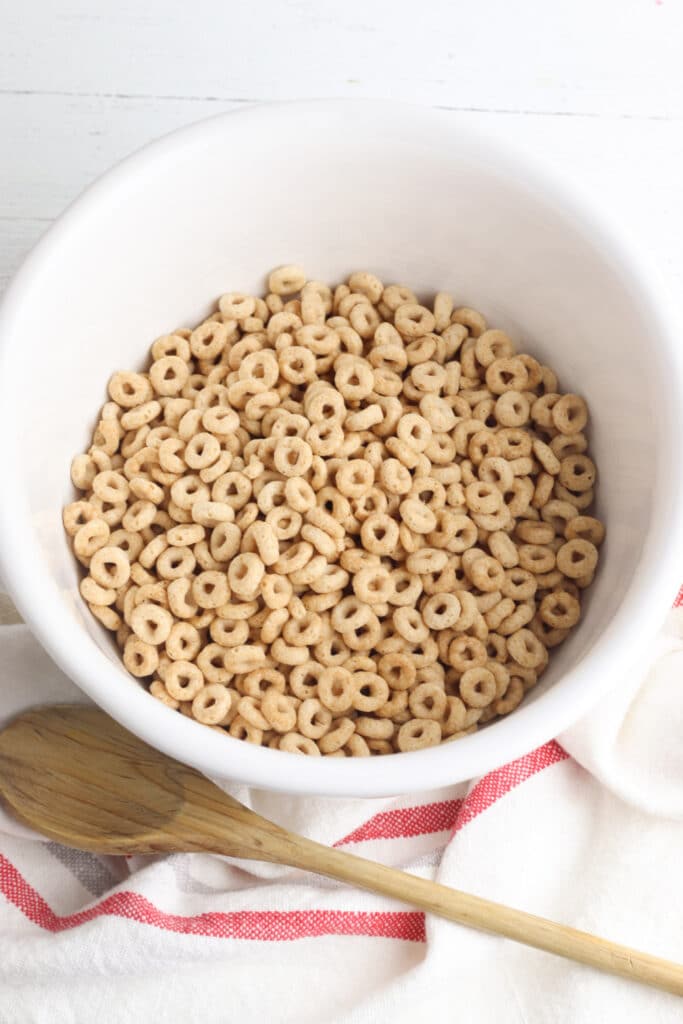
[487, 916]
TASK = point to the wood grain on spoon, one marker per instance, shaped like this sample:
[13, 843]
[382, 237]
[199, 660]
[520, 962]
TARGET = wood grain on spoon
[76, 776]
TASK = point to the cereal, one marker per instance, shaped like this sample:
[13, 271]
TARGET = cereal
[110, 567]
[428, 700]
[560, 609]
[418, 733]
[478, 687]
[211, 704]
[183, 680]
[586, 528]
[337, 523]
[577, 558]
[151, 623]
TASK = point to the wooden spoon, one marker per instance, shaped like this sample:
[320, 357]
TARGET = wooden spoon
[76, 776]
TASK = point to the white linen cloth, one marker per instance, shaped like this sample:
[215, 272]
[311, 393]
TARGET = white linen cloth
[587, 831]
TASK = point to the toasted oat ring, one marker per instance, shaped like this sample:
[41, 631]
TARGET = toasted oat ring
[373, 585]
[379, 534]
[512, 409]
[414, 321]
[560, 610]
[276, 591]
[111, 486]
[364, 637]
[478, 687]
[463, 534]
[414, 430]
[395, 477]
[109, 618]
[337, 737]
[371, 691]
[585, 528]
[141, 659]
[211, 704]
[456, 716]
[428, 701]
[512, 699]
[95, 594]
[558, 514]
[503, 549]
[278, 711]
[577, 473]
[91, 537]
[169, 374]
[183, 680]
[110, 567]
[305, 631]
[354, 478]
[417, 516]
[245, 574]
[292, 456]
[441, 611]
[336, 689]
[202, 450]
[151, 623]
[496, 470]
[570, 414]
[426, 560]
[240, 729]
[177, 593]
[466, 652]
[506, 374]
[313, 719]
[483, 444]
[398, 669]
[187, 490]
[171, 563]
[249, 710]
[501, 674]
[159, 691]
[577, 558]
[536, 558]
[409, 623]
[417, 734]
[304, 679]
[243, 658]
[486, 573]
[287, 280]
[129, 389]
[77, 514]
[494, 616]
[526, 649]
[183, 643]
[139, 515]
[483, 498]
[492, 345]
[295, 743]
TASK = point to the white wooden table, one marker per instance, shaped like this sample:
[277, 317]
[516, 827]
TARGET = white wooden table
[597, 85]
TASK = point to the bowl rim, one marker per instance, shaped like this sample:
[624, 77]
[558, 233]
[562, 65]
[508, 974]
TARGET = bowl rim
[655, 580]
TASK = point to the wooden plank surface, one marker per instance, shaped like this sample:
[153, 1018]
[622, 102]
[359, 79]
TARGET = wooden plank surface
[596, 87]
[587, 56]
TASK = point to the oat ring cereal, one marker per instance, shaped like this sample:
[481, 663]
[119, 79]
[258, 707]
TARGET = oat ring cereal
[338, 521]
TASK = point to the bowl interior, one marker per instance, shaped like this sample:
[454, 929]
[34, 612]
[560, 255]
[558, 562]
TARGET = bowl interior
[335, 188]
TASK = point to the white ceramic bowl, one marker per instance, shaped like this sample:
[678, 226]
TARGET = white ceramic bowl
[336, 186]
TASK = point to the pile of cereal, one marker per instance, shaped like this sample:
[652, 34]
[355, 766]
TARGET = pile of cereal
[337, 522]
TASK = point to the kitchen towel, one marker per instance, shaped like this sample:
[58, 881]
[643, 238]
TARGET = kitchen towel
[586, 830]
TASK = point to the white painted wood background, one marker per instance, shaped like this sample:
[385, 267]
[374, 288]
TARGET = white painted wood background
[597, 85]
